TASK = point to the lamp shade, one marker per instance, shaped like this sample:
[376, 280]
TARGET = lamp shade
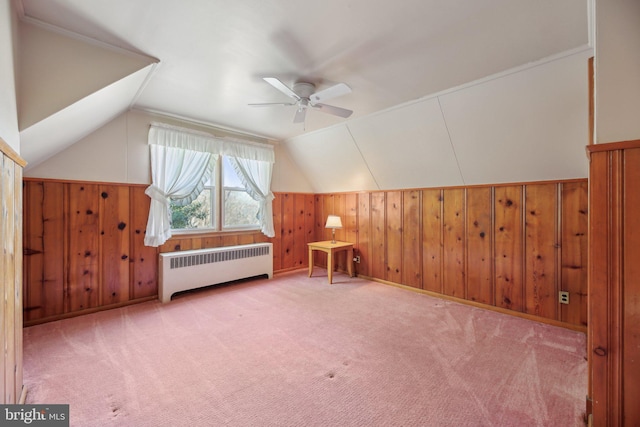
[333, 221]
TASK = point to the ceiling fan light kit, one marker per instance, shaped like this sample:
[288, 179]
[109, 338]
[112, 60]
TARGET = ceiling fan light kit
[305, 96]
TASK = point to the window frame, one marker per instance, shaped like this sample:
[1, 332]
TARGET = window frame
[217, 205]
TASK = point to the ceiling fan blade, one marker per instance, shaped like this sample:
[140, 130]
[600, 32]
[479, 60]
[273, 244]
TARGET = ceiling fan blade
[300, 115]
[281, 87]
[268, 104]
[331, 109]
[330, 92]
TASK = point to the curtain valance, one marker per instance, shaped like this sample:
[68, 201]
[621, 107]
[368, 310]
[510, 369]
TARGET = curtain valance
[182, 160]
[188, 139]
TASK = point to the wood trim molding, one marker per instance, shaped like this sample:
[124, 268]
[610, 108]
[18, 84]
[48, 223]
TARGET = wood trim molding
[76, 181]
[611, 146]
[453, 187]
[10, 152]
[591, 102]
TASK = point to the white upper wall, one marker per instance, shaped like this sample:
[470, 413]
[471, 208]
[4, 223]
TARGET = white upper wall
[617, 71]
[9, 131]
[118, 152]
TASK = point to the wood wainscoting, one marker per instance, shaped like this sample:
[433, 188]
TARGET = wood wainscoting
[84, 245]
[614, 284]
[512, 247]
[11, 166]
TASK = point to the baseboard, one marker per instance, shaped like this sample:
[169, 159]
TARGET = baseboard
[577, 328]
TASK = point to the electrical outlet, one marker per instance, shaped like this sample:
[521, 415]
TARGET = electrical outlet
[564, 297]
[357, 259]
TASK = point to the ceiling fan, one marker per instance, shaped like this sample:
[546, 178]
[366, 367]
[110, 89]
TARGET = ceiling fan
[305, 96]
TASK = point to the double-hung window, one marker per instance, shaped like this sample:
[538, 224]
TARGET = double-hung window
[202, 183]
[230, 208]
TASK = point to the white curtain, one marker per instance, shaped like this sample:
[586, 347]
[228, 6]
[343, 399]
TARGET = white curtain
[254, 165]
[181, 163]
[256, 177]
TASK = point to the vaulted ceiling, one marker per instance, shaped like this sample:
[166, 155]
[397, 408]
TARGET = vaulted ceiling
[205, 60]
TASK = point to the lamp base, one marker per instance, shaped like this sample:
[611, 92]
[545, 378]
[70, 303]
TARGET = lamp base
[333, 236]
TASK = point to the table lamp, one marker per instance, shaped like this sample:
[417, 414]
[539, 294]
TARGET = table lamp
[333, 222]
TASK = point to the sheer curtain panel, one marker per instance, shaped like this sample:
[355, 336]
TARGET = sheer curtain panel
[181, 163]
[254, 165]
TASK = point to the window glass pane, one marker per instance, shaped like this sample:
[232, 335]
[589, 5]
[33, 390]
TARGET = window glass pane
[197, 214]
[230, 178]
[240, 210]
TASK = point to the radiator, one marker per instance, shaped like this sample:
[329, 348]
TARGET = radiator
[186, 270]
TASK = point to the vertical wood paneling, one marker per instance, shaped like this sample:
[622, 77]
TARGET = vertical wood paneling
[339, 208]
[411, 239]
[364, 234]
[429, 238]
[227, 240]
[378, 240]
[350, 223]
[454, 242]
[320, 258]
[17, 286]
[318, 213]
[631, 281]
[328, 208]
[10, 274]
[114, 243]
[479, 265]
[143, 259]
[508, 248]
[603, 313]
[5, 230]
[350, 220]
[394, 236]
[84, 229]
[575, 222]
[541, 209]
[44, 250]
[279, 231]
[309, 223]
[615, 285]
[68, 272]
[432, 240]
[299, 235]
[287, 231]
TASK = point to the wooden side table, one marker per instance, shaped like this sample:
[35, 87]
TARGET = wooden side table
[331, 248]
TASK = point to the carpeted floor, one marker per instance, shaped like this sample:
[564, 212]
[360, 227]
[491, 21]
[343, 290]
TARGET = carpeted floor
[296, 351]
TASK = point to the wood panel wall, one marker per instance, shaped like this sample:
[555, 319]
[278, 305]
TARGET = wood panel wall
[11, 166]
[614, 284]
[513, 247]
[84, 245]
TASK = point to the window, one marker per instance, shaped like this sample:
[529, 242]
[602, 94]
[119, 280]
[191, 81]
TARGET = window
[235, 208]
[239, 208]
[198, 170]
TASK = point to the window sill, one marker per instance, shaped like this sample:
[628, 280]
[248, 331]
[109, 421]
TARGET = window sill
[178, 234]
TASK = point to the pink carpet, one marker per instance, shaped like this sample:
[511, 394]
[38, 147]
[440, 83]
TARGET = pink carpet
[294, 351]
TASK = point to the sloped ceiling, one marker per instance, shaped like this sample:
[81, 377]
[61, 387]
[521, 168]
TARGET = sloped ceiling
[398, 57]
[70, 86]
[214, 53]
[525, 125]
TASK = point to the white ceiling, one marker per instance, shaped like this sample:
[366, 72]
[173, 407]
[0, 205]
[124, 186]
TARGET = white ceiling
[214, 53]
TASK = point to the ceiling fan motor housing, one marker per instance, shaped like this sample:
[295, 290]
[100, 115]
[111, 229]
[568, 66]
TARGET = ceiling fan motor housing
[304, 90]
